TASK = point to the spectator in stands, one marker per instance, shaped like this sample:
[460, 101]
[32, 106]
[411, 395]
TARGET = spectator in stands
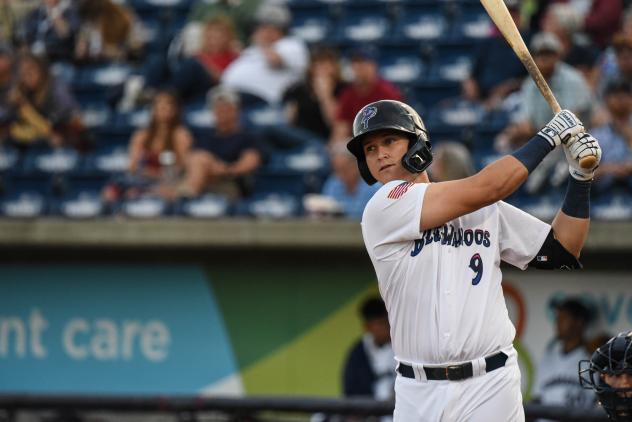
[242, 13]
[157, 153]
[198, 74]
[367, 86]
[563, 20]
[496, 70]
[345, 186]
[165, 132]
[369, 369]
[42, 108]
[273, 61]
[603, 20]
[557, 383]
[622, 69]
[568, 85]
[311, 104]
[226, 156]
[108, 32]
[51, 29]
[452, 161]
[615, 137]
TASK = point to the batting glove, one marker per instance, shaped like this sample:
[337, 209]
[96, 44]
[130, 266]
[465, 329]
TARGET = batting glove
[564, 126]
[584, 146]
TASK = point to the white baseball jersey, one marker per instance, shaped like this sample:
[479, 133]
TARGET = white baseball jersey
[442, 287]
[557, 382]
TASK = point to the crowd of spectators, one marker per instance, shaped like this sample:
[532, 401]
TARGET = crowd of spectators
[246, 55]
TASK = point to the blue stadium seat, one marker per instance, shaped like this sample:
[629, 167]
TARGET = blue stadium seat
[431, 93]
[402, 68]
[81, 198]
[311, 29]
[145, 207]
[421, 22]
[473, 23]
[271, 205]
[616, 206]
[363, 27]
[453, 63]
[9, 159]
[206, 206]
[458, 113]
[26, 196]
[109, 159]
[52, 161]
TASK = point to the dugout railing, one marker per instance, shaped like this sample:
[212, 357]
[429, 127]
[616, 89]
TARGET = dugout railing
[247, 409]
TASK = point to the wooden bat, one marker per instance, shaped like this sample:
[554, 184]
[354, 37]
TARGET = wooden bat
[498, 12]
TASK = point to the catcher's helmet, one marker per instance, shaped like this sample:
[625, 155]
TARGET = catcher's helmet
[613, 358]
[390, 114]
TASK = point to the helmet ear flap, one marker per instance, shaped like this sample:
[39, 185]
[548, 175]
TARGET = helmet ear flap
[419, 154]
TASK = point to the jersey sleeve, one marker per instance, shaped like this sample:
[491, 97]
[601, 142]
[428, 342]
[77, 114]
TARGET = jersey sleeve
[521, 235]
[393, 216]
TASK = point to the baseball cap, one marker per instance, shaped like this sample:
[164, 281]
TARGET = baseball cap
[545, 42]
[273, 14]
[364, 52]
[575, 307]
[223, 93]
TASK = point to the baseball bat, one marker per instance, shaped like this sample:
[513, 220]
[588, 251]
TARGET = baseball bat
[498, 12]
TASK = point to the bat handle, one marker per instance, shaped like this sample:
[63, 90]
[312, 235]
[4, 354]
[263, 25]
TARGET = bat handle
[588, 162]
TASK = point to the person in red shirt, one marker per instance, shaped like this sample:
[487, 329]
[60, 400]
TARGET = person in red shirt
[367, 87]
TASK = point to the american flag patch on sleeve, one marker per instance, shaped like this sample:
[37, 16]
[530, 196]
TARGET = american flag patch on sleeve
[399, 190]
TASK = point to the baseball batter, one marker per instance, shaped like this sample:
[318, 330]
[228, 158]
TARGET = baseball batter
[437, 248]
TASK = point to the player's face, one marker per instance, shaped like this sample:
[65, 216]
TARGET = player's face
[384, 151]
[619, 381]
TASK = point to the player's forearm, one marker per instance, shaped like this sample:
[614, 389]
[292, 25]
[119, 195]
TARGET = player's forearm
[500, 179]
[572, 222]
[571, 232]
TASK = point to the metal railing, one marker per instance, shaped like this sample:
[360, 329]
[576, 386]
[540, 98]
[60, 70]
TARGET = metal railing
[243, 409]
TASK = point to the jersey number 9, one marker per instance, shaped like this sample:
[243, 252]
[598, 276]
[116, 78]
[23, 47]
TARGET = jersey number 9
[476, 265]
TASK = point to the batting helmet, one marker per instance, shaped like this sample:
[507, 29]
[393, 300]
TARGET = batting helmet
[613, 358]
[390, 114]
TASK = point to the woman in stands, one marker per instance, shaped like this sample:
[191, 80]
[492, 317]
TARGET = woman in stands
[165, 133]
[42, 109]
[157, 153]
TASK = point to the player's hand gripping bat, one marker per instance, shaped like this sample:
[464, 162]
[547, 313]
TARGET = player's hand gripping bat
[499, 13]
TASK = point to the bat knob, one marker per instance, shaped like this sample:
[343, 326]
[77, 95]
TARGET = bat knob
[588, 162]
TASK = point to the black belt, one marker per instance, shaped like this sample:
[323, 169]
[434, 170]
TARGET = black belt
[454, 372]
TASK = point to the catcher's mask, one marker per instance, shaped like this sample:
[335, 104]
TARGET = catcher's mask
[613, 358]
[390, 114]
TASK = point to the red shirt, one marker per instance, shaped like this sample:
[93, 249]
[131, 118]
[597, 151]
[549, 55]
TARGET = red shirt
[217, 62]
[351, 101]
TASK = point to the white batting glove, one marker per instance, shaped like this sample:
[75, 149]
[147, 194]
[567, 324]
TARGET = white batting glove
[584, 146]
[563, 127]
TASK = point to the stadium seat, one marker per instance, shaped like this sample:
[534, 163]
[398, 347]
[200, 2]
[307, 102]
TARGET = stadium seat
[145, 207]
[453, 65]
[362, 27]
[271, 206]
[52, 161]
[26, 196]
[81, 198]
[431, 93]
[473, 23]
[401, 68]
[109, 159]
[9, 159]
[420, 22]
[206, 206]
[312, 22]
[616, 206]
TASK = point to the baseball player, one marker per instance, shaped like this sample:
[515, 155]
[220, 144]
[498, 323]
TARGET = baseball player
[436, 249]
[609, 374]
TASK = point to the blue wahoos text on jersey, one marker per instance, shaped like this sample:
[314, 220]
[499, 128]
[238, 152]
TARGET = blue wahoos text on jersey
[450, 236]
